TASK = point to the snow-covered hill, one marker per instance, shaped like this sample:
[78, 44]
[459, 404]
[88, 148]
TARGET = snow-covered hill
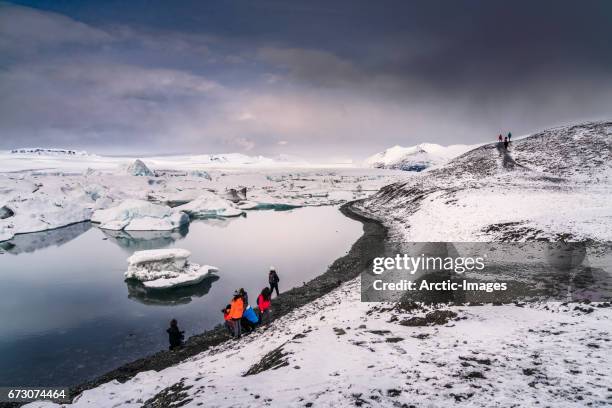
[415, 158]
[550, 185]
[339, 351]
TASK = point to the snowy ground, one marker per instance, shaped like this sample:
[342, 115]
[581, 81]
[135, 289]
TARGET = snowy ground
[554, 185]
[339, 351]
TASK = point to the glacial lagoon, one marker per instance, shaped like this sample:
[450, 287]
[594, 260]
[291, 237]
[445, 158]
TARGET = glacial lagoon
[68, 315]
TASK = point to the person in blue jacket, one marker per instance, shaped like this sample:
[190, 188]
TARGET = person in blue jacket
[249, 319]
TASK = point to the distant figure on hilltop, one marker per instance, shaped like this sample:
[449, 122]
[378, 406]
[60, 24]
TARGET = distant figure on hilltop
[506, 143]
[499, 138]
[273, 279]
[509, 136]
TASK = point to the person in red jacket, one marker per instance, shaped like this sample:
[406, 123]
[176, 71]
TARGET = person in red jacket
[227, 319]
[263, 303]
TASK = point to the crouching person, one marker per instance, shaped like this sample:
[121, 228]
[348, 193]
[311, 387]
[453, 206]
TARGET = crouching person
[249, 319]
[228, 319]
[175, 336]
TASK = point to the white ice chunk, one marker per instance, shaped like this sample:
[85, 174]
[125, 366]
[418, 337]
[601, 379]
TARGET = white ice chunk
[247, 205]
[138, 168]
[166, 268]
[192, 275]
[40, 214]
[139, 215]
[210, 205]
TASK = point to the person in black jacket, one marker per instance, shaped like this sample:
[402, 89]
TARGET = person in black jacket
[175, 336]
[245, 296]
[273, 279]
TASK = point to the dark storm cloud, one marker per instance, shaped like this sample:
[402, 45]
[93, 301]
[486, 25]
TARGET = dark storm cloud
[343, 78]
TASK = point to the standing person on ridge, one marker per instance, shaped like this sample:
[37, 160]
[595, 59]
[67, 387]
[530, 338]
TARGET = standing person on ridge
[499, 138]
[236, 311]
[506, 143]
[509, 136]
[273, 279]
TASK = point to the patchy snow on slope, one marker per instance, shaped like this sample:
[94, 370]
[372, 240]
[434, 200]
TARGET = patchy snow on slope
[415, 158]
[552, 185]
[339, 351]
[139, 215]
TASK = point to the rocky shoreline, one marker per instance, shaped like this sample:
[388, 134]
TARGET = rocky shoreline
[368, 246]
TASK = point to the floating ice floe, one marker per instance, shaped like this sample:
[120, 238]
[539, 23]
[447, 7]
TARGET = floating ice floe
[210, 205]
[247, 205]
[166, 268]
[140, 215]
[40, 214]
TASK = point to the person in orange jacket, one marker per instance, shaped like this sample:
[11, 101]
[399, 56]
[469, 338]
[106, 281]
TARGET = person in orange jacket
[236, 311]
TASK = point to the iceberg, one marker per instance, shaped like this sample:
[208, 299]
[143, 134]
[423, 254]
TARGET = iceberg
[42, 213]
[236, 194]
[166, 268]
[139, 215]
[210, 205]
[138, 168]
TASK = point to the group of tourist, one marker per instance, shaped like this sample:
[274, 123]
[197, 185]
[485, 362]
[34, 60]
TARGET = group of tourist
[506, 139]
[239, 316]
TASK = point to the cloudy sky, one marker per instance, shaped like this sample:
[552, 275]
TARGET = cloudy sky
[317, 79]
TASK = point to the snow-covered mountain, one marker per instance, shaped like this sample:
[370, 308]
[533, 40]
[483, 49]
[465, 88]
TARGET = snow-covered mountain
[415, 158]
[40, 151]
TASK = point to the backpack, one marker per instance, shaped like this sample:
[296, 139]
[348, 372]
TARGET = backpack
[250, 315]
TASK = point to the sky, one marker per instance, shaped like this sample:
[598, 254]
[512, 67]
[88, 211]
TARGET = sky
[326, 80]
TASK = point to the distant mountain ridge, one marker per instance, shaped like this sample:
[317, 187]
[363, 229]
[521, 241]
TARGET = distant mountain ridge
[415, 158]
[49, 151]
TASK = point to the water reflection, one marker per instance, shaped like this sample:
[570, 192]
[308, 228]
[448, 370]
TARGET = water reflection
[24, 243]
[67, 316]
[142, 240]
[170, 297]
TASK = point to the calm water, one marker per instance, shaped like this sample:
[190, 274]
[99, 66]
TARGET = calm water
[67, 315]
